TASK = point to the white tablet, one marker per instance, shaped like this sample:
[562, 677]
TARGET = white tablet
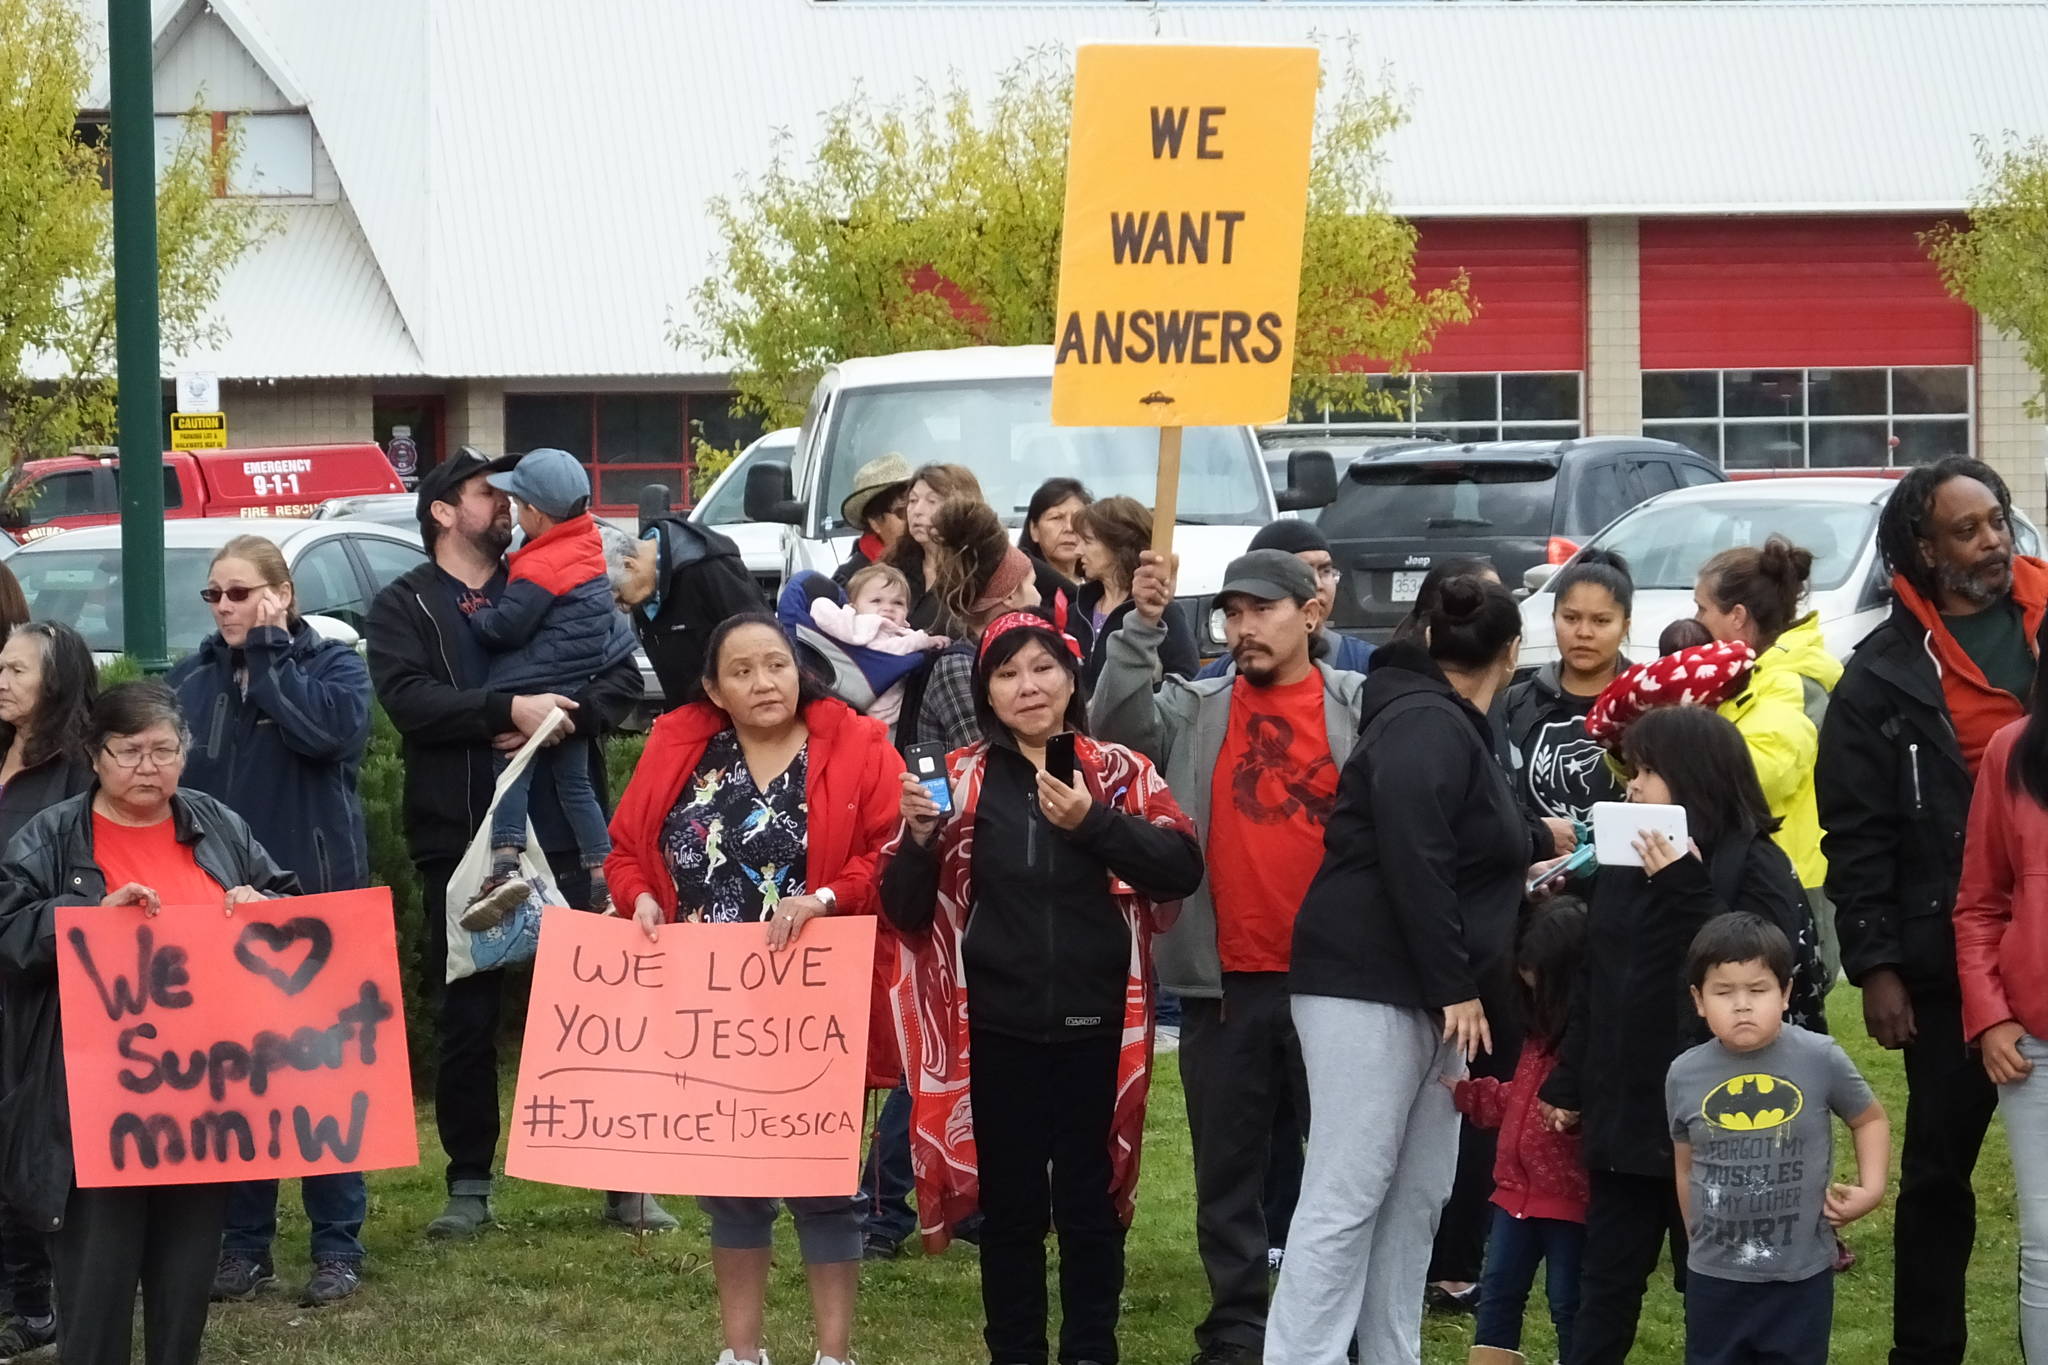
[1616, 825]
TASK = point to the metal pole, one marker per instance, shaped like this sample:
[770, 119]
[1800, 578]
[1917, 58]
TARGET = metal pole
[137, 367]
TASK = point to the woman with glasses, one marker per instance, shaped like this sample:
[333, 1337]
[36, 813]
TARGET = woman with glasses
[131, 845]
[280, 717]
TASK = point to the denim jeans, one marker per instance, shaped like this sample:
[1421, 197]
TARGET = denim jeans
[2023, 1106]
[1514, 1248]
[887, 1179]
[567, 765]
[335, 1206]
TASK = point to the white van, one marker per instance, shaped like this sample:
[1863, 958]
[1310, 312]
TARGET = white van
[990, 408]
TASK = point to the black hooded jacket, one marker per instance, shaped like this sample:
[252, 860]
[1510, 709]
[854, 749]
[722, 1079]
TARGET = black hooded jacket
[1424, 856]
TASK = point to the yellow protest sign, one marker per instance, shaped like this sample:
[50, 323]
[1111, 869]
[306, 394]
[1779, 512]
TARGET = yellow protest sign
[1180, 264]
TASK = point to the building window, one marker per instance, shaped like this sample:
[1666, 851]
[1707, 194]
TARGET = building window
[628, 441]
[1813, 418]
[1542, 406]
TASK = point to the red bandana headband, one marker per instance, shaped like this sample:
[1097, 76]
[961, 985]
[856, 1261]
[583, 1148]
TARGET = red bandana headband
[1022, 620]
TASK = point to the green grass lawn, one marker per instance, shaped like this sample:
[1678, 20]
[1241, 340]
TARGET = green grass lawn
[551, 1284]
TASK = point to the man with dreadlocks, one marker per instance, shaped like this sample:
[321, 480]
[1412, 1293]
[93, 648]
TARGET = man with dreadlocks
[1920, 700]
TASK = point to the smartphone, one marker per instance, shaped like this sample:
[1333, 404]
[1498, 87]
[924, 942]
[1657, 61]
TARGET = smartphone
[1059, 757]
[928, 765]
[1578, 858]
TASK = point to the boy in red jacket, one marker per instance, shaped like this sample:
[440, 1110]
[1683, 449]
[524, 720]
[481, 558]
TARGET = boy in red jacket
[1539, 1182]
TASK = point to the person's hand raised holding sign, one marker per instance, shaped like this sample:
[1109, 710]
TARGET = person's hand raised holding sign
[1152, 586]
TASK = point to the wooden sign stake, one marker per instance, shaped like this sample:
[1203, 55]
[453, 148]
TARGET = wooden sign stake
[1166, 498]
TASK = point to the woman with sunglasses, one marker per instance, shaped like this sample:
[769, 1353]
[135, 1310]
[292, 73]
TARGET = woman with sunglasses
[130, 846]
[280, 717]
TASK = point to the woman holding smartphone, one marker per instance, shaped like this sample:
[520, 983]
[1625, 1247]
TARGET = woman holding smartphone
[1027, 904]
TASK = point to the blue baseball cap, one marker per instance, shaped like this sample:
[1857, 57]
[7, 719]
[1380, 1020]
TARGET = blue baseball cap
[550, 481]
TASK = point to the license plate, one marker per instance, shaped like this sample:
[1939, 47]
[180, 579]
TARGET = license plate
[1408, 586]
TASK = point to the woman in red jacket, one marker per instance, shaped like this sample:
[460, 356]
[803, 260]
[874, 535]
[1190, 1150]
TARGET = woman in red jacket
[2001, 920]
[766, 802]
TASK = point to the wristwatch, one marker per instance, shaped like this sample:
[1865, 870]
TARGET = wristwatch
[830, 897]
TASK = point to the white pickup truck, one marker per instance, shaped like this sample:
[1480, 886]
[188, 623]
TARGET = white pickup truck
[990, 408]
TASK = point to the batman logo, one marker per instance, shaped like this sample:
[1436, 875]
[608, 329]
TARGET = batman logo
[1753, 1103]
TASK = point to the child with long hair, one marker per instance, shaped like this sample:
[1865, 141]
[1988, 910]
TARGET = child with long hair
[1539, 1182]
[1631, 1014]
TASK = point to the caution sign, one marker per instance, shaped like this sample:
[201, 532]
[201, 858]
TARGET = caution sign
[199, 431]
[1180, 264]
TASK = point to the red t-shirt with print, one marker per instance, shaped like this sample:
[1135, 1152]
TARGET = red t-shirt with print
[1270, 796]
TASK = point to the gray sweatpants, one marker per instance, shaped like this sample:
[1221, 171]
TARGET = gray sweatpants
[1382, 1152]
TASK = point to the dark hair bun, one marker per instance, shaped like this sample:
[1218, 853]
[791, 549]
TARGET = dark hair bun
[1602, 558]
[1785, 562]
[1473, 623]
[1462, 600]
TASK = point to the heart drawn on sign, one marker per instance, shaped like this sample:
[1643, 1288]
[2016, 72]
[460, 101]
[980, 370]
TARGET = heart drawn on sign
[264, 949]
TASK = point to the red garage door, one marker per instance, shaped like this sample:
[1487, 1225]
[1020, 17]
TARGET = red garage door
[1529, 279]
[1742, 292]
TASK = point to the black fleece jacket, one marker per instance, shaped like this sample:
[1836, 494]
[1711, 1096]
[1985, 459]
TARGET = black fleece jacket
[1423, 857]
[1047, 953]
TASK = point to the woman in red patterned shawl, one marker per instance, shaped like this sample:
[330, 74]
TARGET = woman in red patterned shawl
[1027, 914]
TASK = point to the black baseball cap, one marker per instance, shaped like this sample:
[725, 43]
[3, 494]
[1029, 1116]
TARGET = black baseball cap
[443, 483]
[1268, 575]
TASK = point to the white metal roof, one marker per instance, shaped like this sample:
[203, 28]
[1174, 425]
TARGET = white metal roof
[531, 176]
[966, 363]
[307, 303]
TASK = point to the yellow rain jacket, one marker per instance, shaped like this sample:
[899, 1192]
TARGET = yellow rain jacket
[1779, 715]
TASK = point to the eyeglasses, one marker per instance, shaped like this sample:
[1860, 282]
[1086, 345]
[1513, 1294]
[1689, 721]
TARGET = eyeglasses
[1329, 573]
[161, 756]
[237, 594]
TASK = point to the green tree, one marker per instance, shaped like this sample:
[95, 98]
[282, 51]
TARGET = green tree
[928, 223]
[56, 221]
[1998, 264]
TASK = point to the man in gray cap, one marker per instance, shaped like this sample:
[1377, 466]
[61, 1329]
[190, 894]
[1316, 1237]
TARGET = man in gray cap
[1254, 758]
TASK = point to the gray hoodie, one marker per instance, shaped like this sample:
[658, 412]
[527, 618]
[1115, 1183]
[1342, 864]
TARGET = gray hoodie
[1181, 726]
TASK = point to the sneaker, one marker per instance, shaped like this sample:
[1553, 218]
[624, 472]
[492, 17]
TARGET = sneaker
[728, 1358]
[464, 1216]
[495, 901]
[1226, 1353]
[1275, 1258]
[26, 1339]
[873, 1248]
[638, 1212]
[822, 1359]
[1437, 1299]
[238, 1279]
[332, 1282]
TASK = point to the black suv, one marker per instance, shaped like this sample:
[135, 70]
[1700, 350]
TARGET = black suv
[1514, 503]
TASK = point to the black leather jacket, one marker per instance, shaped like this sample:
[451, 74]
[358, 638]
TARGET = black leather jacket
[49, 864]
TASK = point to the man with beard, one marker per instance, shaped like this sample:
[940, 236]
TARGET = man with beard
[1254, 758]
[1920, 699]
[430, 670]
